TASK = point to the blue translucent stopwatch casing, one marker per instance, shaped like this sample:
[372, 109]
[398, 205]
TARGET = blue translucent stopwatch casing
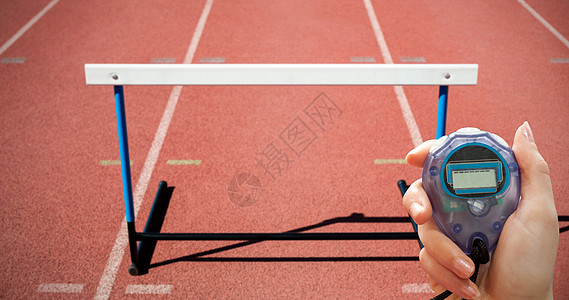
[473, 182]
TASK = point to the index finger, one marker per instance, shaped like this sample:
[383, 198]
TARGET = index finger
[416, 157]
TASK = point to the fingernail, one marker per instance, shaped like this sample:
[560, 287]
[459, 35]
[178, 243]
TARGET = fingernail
[462, 267]
[415, 209]
[470, 291]
[528, 133]
[412, 152]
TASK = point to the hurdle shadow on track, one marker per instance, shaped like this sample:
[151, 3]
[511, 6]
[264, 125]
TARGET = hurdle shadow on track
[353, 218]
[158, 213]
[563, 219]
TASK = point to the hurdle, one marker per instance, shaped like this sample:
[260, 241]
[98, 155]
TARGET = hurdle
[142, 243]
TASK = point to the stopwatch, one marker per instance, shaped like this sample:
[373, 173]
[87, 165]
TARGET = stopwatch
[472, 179]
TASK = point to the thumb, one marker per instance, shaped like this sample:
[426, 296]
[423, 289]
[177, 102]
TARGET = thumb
[537, 194]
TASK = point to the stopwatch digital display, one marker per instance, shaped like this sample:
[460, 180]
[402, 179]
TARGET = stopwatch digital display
[473, 182]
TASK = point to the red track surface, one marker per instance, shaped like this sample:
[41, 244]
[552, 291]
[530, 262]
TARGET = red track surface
[61, 210]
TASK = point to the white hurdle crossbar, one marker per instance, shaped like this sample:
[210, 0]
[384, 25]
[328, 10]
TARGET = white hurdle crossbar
[281, 74]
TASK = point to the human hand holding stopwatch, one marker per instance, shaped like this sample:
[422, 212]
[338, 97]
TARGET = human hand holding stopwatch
[522, 263]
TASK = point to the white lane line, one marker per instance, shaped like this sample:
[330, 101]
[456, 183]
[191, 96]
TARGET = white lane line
[416, 288]
[155, 289]
[67, 288]
[378, 33]
[408, 116]
[30, 23]
[545, 23]
[403, 103]
[117, 253]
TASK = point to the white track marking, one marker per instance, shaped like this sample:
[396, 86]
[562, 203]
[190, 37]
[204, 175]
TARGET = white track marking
[218, 60]
[13, 60]
[30, 23]
[416, 288]
[154, 289]
[360, 59]
[545, 23]
[559, 60]
[121, 242]
[67, 288]
[383, 161]
[163, 60]
[403, 103]
[410, 59]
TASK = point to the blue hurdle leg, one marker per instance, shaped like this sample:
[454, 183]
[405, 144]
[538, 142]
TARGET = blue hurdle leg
[442, 111]
[125, 169]
[125, 160]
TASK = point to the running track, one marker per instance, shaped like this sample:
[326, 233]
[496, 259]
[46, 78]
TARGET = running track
[61, 195]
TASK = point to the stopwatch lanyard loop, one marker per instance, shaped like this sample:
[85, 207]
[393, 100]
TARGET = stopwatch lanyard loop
[479, 255]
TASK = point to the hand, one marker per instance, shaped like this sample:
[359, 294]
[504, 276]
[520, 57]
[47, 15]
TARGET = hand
[521, 266]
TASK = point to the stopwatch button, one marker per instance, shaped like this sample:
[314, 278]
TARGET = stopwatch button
[438, 144]
[468, 130]
[500, 140]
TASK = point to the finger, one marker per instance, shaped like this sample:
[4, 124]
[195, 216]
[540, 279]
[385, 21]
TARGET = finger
[537, 194]
[445, 251]
[435, 286]
[439, 289]
[443, 276]
[417, 203]
[416, 157]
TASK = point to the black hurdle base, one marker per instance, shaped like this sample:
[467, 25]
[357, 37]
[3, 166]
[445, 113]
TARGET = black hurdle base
[141, 255]
[403, 187]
